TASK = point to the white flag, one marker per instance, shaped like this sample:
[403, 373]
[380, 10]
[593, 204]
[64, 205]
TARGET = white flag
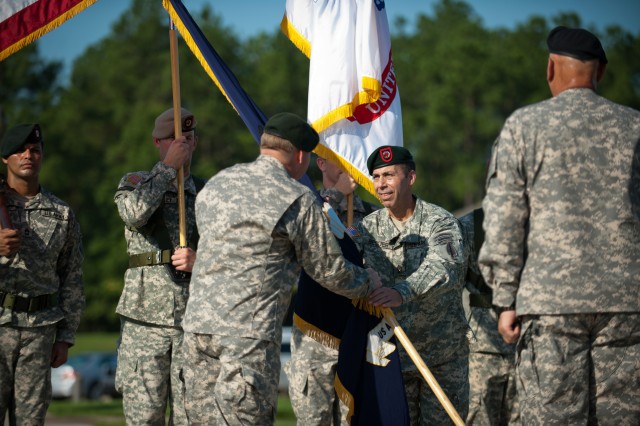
[353, 102]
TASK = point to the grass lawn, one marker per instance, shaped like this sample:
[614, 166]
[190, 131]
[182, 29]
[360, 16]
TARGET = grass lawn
[109, 412]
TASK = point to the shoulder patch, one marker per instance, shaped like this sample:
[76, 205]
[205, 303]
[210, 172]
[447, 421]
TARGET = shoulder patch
[134, 179]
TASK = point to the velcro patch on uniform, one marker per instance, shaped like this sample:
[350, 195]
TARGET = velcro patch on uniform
[134, 179]
[53, 213]
[170, 199]
[443, 239]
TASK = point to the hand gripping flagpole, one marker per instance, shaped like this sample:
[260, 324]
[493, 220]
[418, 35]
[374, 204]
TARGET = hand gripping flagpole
[422, 367]
[177, 125]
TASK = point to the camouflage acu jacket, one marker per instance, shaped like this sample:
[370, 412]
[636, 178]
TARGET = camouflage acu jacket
[426, 263]
[562, 210]
[49, 261]
[258, 226]
[149, 294]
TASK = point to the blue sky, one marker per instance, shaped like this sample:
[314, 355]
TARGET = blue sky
[247, 17]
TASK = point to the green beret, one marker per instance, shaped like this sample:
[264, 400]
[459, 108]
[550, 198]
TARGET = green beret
[294, 129]
[388, 155]
[164, 127]
[576, 43]
[19, 136]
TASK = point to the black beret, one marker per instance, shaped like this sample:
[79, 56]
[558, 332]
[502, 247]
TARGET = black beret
[294, 129]
[19, 136]
[576, 43]
[164, 127]
[388, 155]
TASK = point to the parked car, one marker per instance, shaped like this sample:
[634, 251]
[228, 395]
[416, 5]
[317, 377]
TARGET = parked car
[285, 356]
[89, 375]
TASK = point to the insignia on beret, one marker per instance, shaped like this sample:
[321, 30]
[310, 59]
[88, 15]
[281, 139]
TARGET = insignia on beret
[386, 154]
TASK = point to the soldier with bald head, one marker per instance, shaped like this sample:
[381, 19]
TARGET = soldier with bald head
[156, 283]
[562, 243]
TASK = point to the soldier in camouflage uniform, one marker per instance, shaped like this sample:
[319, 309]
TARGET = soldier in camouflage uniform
[417, 248]
[492, 385]
[156, 284]
[259, 226]
[562, 244]
[312, 368]
[41, 289]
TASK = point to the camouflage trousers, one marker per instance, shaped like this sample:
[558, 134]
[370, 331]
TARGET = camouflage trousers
[311, 372]
[579, 369]
[25, 373]
[230, 380]
[148, 374]
[492, 390]
[424, 407]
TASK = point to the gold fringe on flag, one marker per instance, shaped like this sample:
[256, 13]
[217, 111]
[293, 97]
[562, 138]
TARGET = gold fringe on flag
[357, 175]
[345, 396]
[315, 333]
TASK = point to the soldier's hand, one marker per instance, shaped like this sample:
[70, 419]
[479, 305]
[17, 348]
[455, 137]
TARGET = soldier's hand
[179, 152]
[183, 259]
[59, 354]
[9, 242]
[345, 184]
[386, 297]
[509, 326]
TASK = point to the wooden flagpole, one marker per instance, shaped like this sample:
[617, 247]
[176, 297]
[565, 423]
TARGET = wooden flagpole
[350, 210]
[177, 123]
[422, 367]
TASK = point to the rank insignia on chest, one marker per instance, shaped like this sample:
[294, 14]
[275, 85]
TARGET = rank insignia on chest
[170, 199]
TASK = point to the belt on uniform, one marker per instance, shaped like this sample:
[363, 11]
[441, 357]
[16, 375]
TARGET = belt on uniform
[151, 258]
[27, 304]
[481, 300]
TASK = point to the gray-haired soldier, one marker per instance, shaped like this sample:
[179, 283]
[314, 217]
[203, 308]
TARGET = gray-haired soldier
[41, 286]
[562, 243]
[259, 226]
[493, 399]
[156, 284]
[417, 248]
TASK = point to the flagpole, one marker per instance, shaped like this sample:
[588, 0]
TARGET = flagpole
[177, 125]
[350, 210]
[422, 367]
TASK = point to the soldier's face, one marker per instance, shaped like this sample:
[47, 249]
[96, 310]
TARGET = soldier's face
[26, 162]
[393, 185]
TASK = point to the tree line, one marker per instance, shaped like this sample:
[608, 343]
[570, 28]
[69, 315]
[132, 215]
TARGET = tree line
[458, 82]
